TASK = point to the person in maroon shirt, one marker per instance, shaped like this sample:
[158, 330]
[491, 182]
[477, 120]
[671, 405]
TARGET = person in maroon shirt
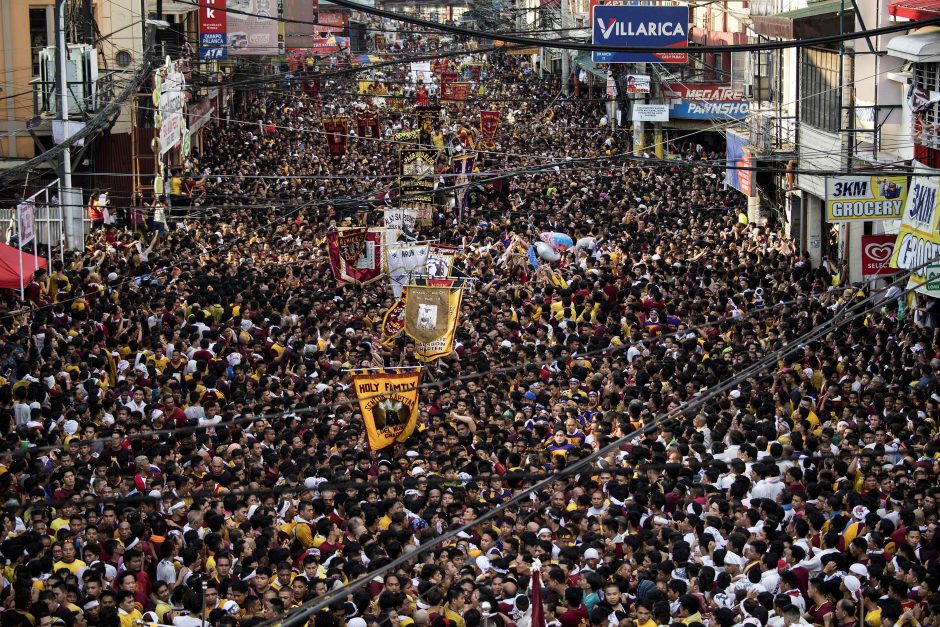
[172, 412]
[820, 606]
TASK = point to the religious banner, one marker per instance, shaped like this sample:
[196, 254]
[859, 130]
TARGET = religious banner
[388, 402]
[421, 204]
[455, 91]
[393, 323]
[426, 312]
[474, 70]
[337, 134]
[400, 218]
[489, 124]
[440, 260]
[428, 117]
[432, 282]
[462, 167]
[351, 243]
[367, 124]
[370, 264]
[444, 345]
[404, 261]
[416, 169]
[448, 77]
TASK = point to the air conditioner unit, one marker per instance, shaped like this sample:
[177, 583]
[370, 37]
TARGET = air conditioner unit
[81, 79]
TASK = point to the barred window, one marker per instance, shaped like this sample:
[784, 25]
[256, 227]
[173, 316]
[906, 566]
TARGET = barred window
[927, 78]
[820, 97]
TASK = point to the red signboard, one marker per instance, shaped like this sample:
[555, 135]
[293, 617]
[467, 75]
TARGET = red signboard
[212, 16]
[876, 254]
[709, 91]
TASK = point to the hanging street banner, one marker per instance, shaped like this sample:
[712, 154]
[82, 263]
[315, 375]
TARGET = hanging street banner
[738, 155]
[388, 402]
[918, 242]
[400, 219]
[876, 255]
[661, 26]
[170, 107]
[860, 198]
[25, 223]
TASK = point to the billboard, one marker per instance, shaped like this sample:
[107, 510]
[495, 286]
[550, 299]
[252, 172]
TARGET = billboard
[254, 34]
[704, 91]
[704, 110]
[638, 84]
[299, 29]
[876, 254]
[738, 157]
[860, 198]
[213, 38]
[918, 241]
[660, 26]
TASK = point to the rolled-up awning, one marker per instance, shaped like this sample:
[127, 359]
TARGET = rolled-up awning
[818, 19]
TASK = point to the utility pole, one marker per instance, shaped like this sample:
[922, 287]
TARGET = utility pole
[565, 54]
[73, 228]
[638, 131]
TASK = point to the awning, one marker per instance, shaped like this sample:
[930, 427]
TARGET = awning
[584, 61]
[920, 48]
[914, 9]
[818, 19]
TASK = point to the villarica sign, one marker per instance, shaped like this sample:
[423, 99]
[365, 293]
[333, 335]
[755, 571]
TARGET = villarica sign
[651, 26]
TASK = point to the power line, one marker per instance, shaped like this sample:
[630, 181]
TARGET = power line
[567, 45]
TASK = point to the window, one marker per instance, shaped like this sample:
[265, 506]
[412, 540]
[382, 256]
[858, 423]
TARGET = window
[821, 102]
[39, 36]
[926, 80]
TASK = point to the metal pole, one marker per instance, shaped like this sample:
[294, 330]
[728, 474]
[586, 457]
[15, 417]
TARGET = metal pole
[565, 56]
[19, 243]
[65, 164]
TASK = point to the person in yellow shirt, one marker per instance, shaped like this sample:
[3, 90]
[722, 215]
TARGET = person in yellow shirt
[128, 613]
[69, 560]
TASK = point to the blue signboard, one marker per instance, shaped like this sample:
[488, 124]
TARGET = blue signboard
[708, 110]
[213, 46]
[738, 155]
[662, 27]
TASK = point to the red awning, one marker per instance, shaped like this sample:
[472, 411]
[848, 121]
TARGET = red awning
[914, 9]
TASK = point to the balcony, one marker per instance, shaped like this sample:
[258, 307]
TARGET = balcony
[771, 135]
[85, 98]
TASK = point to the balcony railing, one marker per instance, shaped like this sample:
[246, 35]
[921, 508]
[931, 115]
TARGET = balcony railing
[85, 98]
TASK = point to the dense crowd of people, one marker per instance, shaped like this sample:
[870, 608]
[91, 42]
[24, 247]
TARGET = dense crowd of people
[181, 445]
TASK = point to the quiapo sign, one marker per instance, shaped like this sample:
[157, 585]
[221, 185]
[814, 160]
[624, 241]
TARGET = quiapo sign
[918, 242]
[859, 198]
[213, 37]
[876, 254]
[659, 26]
